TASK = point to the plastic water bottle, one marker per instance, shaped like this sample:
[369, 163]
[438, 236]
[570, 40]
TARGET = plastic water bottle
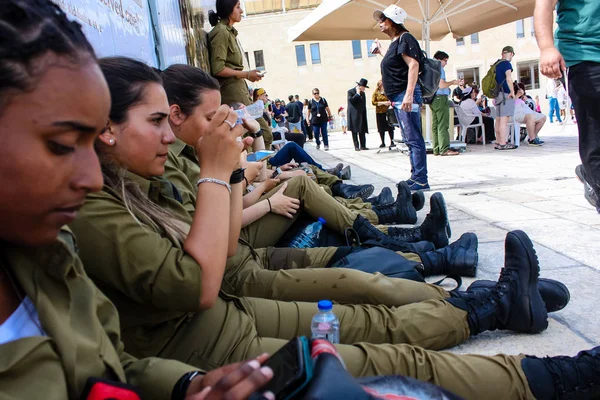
[253, 111]
[325, 324]
[309, 236]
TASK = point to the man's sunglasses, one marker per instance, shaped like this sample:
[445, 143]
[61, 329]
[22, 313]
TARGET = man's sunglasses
[315, 93]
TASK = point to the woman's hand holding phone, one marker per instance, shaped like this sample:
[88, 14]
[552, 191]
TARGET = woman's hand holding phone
[234, 381]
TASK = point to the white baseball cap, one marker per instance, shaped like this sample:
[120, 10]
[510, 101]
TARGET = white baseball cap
[393, 12]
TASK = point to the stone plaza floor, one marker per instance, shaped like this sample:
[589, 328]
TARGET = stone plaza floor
[491, 192]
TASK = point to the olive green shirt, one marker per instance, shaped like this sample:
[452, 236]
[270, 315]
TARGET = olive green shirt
[183, 170]
[82, 327]
[224, 49]
[153, 282]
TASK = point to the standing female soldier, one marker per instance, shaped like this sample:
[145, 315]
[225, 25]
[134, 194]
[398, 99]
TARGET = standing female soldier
[227, 60]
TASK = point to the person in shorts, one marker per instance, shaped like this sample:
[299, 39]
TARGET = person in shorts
[505, 101]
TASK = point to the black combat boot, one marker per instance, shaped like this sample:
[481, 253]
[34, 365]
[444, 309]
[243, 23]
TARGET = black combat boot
[399, 212]
[435, 228]
[457, 259]
[555, 294]
[335, 170]
[385, 197]
[366, 232]
[418, 198]
[346, 173]
[352, 191]
[515, 302]
[564, 378]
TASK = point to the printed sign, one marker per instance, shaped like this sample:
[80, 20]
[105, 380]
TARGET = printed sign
[115, 27]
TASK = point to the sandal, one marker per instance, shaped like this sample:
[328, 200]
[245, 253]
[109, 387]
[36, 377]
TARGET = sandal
[507, 146]
[450, 153]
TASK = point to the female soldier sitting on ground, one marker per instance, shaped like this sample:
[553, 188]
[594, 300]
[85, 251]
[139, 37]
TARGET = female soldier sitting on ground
[194, 97]
[57, 331]
[164, 278]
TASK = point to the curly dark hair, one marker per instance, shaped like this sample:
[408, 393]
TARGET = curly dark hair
[30, 29]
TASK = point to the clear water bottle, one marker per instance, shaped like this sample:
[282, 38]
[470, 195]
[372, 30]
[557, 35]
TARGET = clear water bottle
[309, 236]
[325, 324]
[253, 111]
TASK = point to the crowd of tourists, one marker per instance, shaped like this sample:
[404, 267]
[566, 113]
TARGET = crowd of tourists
[143, 255]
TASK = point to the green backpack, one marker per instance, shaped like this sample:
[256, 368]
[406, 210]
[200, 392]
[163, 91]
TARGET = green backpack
[489, 85]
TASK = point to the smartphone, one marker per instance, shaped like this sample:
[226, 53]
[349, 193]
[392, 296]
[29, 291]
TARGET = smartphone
[292, 369]
[262, 73]
[260, 155]
[277, 172]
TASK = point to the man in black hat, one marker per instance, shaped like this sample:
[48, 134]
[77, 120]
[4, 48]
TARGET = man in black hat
[357, 114]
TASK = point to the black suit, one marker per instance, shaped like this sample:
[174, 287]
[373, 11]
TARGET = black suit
[357, 117]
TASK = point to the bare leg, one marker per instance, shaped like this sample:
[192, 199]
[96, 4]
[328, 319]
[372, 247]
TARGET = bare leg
[539, 124]
[502, 130]
[530, 124]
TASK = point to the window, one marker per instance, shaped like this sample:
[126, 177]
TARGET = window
[460, 41]
[259, 60]
[369, 44]
[300, 55]
[520, 28]
[356, 50]
[475, 38]
[315, 53]
[529, 74]
[470, 75]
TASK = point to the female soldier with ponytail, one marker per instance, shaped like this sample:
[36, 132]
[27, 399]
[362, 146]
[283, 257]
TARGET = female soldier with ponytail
[227, 62]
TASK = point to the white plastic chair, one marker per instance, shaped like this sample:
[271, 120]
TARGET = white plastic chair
[465, 122]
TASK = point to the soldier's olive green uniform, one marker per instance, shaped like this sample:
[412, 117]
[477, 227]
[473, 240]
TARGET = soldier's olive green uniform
[156, 288]
[225, 52]
[82, 329]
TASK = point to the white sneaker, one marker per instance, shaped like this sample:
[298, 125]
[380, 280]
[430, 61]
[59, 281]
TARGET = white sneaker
[326, 148]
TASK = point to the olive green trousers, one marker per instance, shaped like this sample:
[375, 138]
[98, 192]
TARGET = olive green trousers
[269, 229]
[301, 275]
[375, 340]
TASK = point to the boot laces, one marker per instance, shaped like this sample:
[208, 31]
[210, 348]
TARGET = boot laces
[565, 381]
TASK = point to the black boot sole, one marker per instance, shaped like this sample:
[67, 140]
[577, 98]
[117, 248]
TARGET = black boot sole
[555, 294]
[535, 310]
[464, 263]
[440, 239]
[418, 200]
[365, 193]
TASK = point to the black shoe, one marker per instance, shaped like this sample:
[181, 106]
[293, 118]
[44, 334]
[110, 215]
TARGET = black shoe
[515, 302]
[458, 259]
[589, 193]
[356, 149]
[399, 212]
[556, 296]
[346, 173]
[352, 191]
[370, 236]
[364, 148]
[382, 146]
[564, 378]
[435, 228]
[335, 170]
[392, 145]
[385, 197]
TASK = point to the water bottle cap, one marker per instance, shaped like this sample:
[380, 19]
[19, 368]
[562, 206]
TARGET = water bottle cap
[325, 305]
[322, 220]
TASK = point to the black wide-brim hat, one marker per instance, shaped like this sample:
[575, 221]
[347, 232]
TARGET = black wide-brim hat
[363, 82]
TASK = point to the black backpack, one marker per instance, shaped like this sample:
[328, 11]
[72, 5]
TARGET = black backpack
[430, 74]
